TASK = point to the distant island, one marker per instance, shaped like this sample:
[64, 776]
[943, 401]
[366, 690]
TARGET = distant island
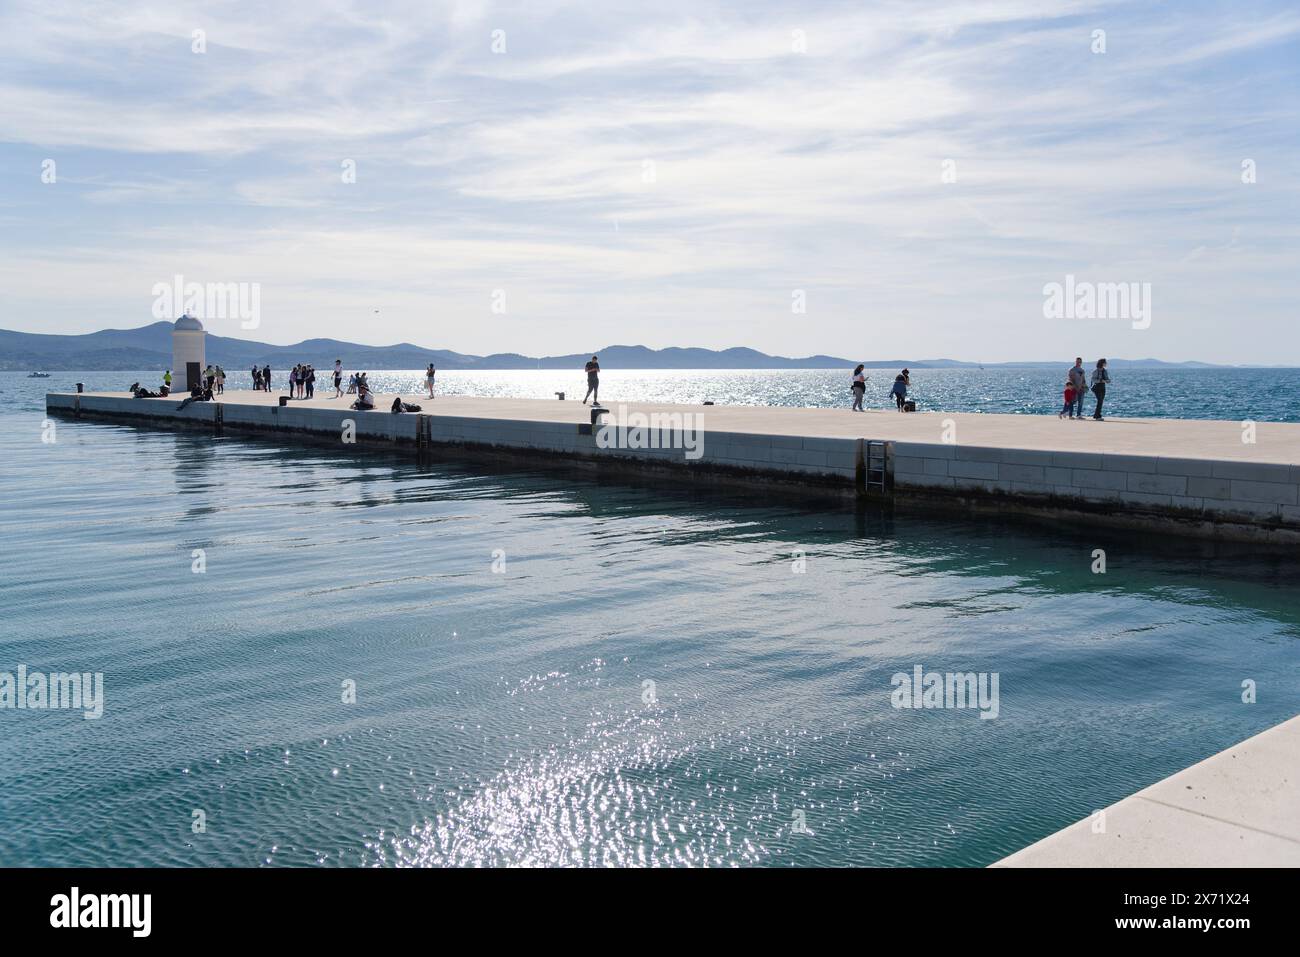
[150, 347]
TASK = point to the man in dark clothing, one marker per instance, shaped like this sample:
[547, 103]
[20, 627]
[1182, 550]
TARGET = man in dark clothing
[593, 382]
[1079, 379]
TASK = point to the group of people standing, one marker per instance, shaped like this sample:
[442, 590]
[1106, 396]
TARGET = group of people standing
[302, 382]
[902, 382]
[1077, 383]
[215, 377]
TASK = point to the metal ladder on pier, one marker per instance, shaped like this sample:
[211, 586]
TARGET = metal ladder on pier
[875, 455]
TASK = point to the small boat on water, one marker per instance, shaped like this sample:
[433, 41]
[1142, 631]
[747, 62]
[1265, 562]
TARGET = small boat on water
[38, 375]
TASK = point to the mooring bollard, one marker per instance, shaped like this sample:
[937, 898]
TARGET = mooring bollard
[596, 413]
[284, 400]
[79, 388]
[560, 396]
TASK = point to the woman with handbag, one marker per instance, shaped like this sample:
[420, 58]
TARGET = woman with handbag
[1100, 377]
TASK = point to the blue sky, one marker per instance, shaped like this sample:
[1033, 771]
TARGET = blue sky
[666, 174]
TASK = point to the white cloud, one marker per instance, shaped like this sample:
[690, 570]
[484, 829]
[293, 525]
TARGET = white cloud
[772, 169]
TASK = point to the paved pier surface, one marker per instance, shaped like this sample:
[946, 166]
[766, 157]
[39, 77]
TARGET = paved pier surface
[1240, 808]
[1182, 438]
[1195, 477]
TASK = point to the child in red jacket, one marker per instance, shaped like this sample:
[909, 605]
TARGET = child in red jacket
[1069, 400]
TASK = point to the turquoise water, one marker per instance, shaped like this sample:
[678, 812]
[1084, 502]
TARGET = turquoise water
[501, 718]
[1265, 395]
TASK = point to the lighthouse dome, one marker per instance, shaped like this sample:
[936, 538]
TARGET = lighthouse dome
[188, 324]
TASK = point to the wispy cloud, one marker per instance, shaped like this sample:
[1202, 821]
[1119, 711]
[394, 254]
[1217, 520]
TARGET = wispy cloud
[920, 169]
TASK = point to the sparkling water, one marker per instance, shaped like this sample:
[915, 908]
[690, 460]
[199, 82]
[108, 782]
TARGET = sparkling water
[1264, 395]
[561, 669]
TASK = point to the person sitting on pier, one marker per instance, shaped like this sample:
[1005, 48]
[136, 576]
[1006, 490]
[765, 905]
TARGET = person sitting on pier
[138, 392]
[365, 399]
[197, 394]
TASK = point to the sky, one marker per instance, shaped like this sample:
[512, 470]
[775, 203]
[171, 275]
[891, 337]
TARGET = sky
[869, 180]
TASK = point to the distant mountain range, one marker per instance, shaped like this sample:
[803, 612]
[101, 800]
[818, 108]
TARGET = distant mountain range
[149, 347]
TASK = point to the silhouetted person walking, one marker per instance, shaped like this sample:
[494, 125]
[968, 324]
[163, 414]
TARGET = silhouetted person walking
[593, 382]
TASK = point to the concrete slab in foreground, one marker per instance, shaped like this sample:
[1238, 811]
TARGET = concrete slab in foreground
[1239, 808]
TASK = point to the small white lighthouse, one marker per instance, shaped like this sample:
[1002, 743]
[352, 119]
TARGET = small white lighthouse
[188, 347]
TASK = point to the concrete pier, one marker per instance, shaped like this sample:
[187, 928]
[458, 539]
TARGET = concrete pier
[1239, 808]
[1233, 479]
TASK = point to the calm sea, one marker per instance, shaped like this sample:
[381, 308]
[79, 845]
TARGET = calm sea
[1265, 395]
[554, 669]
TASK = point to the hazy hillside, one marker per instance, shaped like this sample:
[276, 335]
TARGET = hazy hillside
[149, 347]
